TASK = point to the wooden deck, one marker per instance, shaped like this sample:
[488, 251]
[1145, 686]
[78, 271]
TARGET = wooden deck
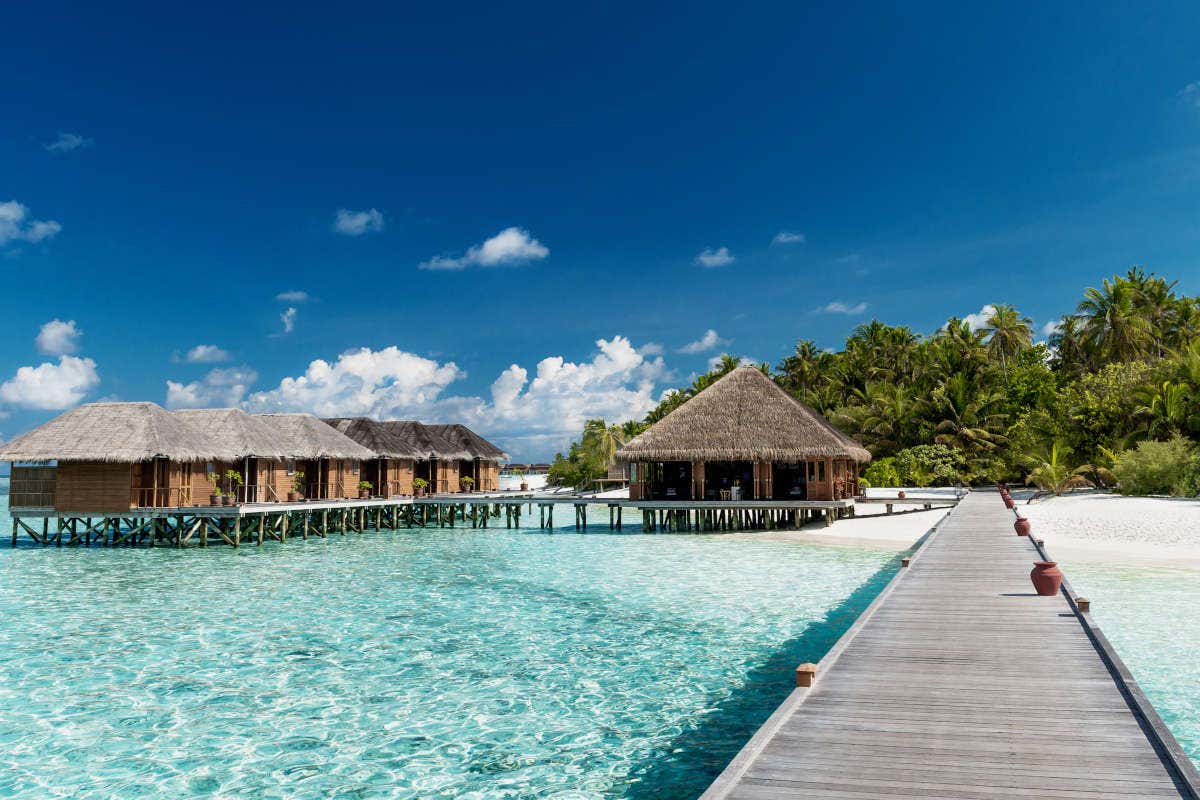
[960, 682]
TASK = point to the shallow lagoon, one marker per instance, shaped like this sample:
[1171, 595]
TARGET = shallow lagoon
[432, 663]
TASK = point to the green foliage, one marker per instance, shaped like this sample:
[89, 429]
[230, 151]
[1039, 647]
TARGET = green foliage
[466, 481]
[929, 465]
[420, 483]
[298, 482]
[365, 486]
[1169, 467]
[882, 472]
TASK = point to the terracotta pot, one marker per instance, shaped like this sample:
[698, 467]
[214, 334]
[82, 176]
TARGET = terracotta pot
[293, 497]
[364, 494]
[524, 486]
[1008, 503]
[899, 495]
[1022, 526]
[419, 491]
[214, 500]
[227, 500]
[1046, 577]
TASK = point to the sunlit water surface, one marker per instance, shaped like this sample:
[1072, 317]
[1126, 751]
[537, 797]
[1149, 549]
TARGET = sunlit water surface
[425, 663]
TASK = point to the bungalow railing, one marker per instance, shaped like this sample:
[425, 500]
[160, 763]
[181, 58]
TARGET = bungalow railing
[162, 497]
[32, 487]
[327, 491]
[257, 494]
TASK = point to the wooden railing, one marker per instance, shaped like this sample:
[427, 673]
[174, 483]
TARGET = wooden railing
[163, 497]
[32, 487]
[256, 494]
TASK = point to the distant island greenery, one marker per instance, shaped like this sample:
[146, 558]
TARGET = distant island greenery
[1110, 399]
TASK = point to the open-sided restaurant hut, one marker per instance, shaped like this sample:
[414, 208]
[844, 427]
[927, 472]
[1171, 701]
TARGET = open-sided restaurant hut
[329, 459]
[390, 470]
[743, 438]
[483, 466]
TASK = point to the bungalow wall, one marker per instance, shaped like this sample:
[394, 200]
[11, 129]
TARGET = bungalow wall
[489, 477]
[400, 476]
[448, 475]
[83, 486]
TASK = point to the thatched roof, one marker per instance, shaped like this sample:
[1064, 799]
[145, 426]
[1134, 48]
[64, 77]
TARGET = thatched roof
[426, 441]
[117, 433]
[744, 416]
[471, 441]
[309, 437]
[380, 438]
[237, 433]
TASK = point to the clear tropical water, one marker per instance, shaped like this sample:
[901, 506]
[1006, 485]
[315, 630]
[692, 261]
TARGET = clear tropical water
[1150, 617]
[430, 663]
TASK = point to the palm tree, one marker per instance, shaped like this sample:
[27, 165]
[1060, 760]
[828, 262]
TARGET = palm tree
[1167, 407]
[969, 419]
[1069, 345]
[1113, 325]
[1008, 333]
[1050, 473]
[798, 370]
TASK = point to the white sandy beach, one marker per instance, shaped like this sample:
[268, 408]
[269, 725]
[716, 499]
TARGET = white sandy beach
[1091, 526]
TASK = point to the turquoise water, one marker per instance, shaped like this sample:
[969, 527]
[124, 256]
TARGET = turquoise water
[1150, 617]
[430, 663]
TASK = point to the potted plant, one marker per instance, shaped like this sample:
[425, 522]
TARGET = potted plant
[297, 488]
[419, 486]
[524, 483]
[233, 479]
[364, 490]
[467, 483]
[214, 498]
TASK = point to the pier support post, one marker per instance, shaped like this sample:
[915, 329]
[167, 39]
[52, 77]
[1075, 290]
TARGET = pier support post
[805, 675]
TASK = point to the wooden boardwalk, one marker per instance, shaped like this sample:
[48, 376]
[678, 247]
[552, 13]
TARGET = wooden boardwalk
[960, 682]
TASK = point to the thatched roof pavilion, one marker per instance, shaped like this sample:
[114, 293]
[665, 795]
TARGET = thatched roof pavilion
[235, 432]
[310, 438]
[470, 441]
[752, 435]
[116, 433]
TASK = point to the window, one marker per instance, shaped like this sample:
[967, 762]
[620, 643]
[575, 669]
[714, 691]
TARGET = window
[353, 467]
[291, 467]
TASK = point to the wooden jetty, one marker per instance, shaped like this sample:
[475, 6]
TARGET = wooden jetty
[960, 682]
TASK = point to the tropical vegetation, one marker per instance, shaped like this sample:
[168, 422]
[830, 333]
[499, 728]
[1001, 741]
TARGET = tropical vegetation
[1112, 390]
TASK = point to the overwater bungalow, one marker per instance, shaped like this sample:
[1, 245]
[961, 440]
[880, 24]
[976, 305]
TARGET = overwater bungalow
[390, 470]
[483, 466]
[439, 458]
[743, 438]
[330, 460]
[264, 463]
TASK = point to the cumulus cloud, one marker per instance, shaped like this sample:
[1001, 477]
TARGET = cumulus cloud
[288, 318]
[531, 416]
[58, 338]
[1052, 327]
[292, 296]
[788, 237]
[651, 349]
[707, 342]
[709, 258]
[205, 354]
[980, 320]
[50, 386]
[838, 307]
[509, 246]
[220, 388]
[66, 142]
[356, 223]
[15, 225]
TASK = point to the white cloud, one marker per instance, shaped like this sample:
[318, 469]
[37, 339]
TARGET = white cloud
[16, 227]
[58, 338]
[980, 320]
[49, 386]
[206, 354]
[709, 258]
[1190, 94]
[220, 388]
[66, 142]
[1052, 327]
[707, 342]
[292, 296]
[532, 417]
[838, 307]
[509, 246]
[356, 223]
[788, 237]
[651, 349]
[288, 318]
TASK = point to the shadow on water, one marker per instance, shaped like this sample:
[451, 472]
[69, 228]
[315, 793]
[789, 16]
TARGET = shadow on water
[683, 769]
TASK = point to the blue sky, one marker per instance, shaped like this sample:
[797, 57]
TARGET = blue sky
[622, 174]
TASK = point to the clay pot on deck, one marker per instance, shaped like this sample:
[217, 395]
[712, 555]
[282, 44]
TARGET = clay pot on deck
[1008, 503]
[365, 494]
[293, 497]
[227, 500]
[1046, 577]
[899, 495]
[524, 486]
[1022, 526]
[214, 499]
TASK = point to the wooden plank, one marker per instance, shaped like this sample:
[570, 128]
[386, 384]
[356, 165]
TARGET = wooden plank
[959, 681]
